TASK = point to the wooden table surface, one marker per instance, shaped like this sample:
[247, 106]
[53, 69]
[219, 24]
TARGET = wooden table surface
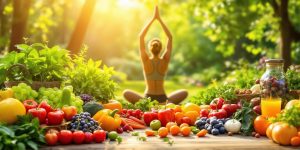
[222, 142]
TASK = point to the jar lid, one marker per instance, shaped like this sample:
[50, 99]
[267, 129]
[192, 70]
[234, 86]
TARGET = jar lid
[274, 61]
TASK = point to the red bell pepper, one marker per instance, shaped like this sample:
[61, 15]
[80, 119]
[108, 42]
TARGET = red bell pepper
[165, 116]
[149, 116]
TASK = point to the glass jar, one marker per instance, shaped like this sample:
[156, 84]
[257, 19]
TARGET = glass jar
[273, 87]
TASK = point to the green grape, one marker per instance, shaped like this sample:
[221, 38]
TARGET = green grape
[23, 85]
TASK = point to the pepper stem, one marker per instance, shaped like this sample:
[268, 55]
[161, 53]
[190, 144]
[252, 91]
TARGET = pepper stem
[112, 114]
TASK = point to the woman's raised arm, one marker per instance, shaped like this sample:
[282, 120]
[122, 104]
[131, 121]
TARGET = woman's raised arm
[142, 35]
[167, 54]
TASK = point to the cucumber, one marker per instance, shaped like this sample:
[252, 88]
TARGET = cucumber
[66, 97]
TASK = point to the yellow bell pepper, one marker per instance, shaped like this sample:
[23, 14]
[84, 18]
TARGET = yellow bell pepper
[112, 105]
[108, 119]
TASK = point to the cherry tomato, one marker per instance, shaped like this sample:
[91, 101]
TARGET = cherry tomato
[204, 113]
[51, 138]
[99, 136]
[65, 137]
[46, 106]
[88, 137]
[55, 117]
[29, 104]
[39, 113]
[78, 137]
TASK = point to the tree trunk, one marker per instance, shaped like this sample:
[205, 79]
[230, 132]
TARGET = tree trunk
[286, 34]
[19, 21]
[81, 26]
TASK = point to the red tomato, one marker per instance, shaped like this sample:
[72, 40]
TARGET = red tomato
[186, 120]
[88, 137]
[78, 137]
[55, 117]
[217, 103]
[46, 106]
[99, 136]
[51, 138]
[234, 107]
[228, 108]
[39, 113]
[29, 104]
[65, 137]
[69, 112]
[204, 113]
[222, 113]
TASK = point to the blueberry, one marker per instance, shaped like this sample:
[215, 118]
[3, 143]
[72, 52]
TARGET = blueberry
[208, 120]
[213, 122]
[206, 126]
[216, 126]
[222, 120]
[85, 125]
[202, 127]
[222, 130]
[209, 128]
[84, 130]
[215, 132]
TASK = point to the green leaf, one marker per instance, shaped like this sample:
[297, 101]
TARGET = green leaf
[21, 146]
[32, 145]
[7, 131]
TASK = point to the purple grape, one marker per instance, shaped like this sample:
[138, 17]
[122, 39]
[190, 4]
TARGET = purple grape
[86, 98]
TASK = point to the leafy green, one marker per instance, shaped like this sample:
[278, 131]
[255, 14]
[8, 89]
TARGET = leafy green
[26, 134]
[36, 62]
[205, 96]
[246, 116]
[293, 79]
[142, 138]
[169, 141]
[290, 116]
[145, 104]
[87, 77]
[135, 133]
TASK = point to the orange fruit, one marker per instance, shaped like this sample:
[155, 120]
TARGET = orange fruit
[261, 125]
[150, 133]
[184, 125]
[299, 134]
[178, 117]
[269, 130]
[295, 141]
[175, 130]
[170, 124]
[202, 133]
[163, 132]
[185, 131]
[177, 109]
[193, 115]
[283, 133]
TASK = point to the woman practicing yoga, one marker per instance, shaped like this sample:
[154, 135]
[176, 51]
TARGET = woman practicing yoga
[155, 68]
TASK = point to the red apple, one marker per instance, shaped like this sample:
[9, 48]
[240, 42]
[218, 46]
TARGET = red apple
[46, 106]
[69, 112]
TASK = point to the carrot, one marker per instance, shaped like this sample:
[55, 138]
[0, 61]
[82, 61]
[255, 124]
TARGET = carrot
[123, 123]
[134, 124]
[202, 133]
[137, 120]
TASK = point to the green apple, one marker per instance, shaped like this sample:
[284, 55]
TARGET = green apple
[155, 124]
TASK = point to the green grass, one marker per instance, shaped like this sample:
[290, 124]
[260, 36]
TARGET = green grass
[139, 86]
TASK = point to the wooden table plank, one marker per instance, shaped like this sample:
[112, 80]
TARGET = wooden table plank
[210, 142]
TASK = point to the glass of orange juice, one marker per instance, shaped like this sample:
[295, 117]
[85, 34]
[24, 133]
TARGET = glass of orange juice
[270, 107]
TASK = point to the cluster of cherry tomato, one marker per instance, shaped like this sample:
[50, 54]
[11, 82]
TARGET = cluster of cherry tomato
[65, 137]
[219, 109]
[46, 114]
[131, 112]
